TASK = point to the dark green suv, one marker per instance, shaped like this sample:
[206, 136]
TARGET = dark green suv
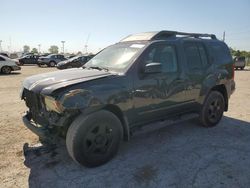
[144, 78]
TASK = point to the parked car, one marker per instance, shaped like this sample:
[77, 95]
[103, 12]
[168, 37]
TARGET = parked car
[144, 78]
[50, 60]
[28, 59]
[240, 62]
[7, 65]
[74, 62]
[4, 54]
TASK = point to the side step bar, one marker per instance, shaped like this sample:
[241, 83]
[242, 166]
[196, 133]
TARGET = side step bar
[160, 124]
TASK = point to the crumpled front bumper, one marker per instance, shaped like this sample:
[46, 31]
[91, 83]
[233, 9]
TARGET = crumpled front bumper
[40, 131]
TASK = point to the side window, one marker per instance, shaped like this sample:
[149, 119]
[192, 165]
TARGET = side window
[2, 59]
[221, 53]
[193, 56]
[203, 54]
[164, 54]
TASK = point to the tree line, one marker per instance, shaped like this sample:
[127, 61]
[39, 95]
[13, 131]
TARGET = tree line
[53, 49]
[238, 53]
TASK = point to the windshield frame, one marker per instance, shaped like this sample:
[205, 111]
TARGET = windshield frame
[130, 62]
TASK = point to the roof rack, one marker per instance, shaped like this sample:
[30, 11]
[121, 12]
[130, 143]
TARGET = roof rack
[164, 35]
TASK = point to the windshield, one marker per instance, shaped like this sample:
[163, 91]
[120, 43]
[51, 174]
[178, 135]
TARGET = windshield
[116, 57]
[73, 58]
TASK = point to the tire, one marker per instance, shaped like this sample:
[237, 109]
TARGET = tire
[6, 70]
[94, 139]
[242, 68]
[212, 109]
[52, 64]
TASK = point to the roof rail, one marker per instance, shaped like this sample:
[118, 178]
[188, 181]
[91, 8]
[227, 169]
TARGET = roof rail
[164, 35]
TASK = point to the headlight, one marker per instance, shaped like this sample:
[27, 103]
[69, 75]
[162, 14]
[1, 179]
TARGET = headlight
[53, 105]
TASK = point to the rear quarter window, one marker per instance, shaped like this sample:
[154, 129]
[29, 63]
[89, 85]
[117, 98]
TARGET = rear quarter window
[220, 52]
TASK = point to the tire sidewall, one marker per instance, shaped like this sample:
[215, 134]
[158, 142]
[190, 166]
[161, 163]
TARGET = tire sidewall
[204, 116]
[78, 131]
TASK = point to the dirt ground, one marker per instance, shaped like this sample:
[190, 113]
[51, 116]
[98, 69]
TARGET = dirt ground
[179, 155]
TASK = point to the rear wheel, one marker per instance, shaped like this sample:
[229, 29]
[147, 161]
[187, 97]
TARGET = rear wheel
[6, 70]
[212, 109]
[94, 139]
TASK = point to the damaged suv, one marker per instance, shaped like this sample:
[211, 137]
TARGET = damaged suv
[144, 78]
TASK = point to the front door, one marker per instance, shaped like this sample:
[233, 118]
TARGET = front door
[156, 93]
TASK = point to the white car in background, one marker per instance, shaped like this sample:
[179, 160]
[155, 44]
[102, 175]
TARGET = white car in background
[7, 65]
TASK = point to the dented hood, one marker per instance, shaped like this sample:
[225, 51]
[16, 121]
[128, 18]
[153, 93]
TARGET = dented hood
[48, 82]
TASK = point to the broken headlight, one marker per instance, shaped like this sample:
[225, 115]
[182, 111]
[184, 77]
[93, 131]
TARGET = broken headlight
[52, 104]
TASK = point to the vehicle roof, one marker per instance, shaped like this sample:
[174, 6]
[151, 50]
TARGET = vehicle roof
[166, 35]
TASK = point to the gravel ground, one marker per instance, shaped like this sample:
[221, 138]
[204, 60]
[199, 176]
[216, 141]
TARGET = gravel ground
[179, 155]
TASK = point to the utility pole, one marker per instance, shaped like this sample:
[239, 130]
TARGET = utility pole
[224, 36]
[39, 48]
[86, 44]
[1, 45]
[63, 45]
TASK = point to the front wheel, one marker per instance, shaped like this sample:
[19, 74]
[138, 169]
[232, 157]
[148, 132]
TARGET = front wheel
[94, 139]
[212, 109]
[6, 70]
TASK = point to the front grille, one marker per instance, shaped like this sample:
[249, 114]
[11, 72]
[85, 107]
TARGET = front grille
[34, 103]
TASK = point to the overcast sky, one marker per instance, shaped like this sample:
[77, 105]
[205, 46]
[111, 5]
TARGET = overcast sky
[100, 23]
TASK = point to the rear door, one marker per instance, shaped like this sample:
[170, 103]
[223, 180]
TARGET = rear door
[197, 65]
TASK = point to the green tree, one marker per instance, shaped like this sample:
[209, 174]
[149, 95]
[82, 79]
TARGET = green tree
[34, 50]
[53, 49]
[26, 48]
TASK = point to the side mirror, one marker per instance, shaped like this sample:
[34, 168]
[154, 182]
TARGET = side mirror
[153, 68]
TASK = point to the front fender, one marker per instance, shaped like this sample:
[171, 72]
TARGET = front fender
[79, 99]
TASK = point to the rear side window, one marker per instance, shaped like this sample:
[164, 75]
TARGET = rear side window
[221, 53]
[203, 54]
[2, 59]
[193, 56]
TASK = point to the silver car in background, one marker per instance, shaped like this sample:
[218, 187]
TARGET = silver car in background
[240, 62]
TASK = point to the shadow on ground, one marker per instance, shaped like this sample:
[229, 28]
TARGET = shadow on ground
[11, 74]
[180, 155]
